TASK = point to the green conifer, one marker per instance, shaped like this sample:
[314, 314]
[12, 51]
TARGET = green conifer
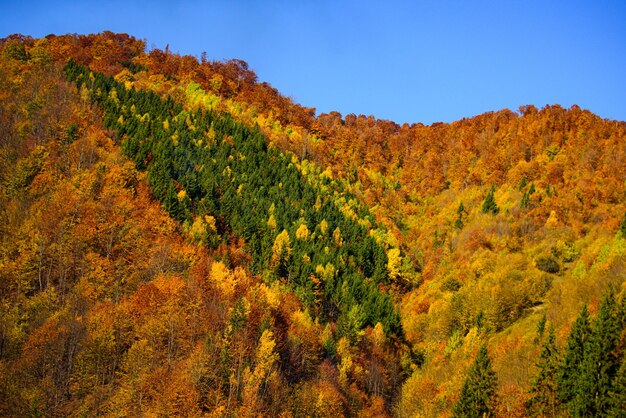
[489, 204]
[544, 390]
[601, 362]
[574, 355]
[522, 183]
[478, 396]
[459, 221]
[618, 394]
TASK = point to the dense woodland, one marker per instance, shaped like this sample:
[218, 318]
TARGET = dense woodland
[179, 239]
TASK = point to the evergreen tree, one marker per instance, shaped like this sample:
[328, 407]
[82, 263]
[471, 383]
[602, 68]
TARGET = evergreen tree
[601, 362]
[478, 396]
[574, 355]
[544, 390]
[526, 197]
[541, 326]
[522, 183]
[622, 226]
[489, 204]
[618, 394]
[459, 221]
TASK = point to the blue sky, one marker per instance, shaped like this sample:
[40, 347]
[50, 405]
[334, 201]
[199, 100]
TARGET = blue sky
[407, 61]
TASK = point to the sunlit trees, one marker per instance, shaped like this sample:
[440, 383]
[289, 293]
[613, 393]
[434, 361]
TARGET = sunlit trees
[544, 390]
[166, 248]
[601, 362]
[573, 357]
[478, 396]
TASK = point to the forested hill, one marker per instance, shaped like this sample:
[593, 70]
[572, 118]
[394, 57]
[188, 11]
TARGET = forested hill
[178, 238]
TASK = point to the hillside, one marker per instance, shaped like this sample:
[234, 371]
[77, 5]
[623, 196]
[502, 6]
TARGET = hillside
[180, 239]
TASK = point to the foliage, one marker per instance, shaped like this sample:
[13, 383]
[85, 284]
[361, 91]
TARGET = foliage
[478, 396]
[489, 204]
[544, 399]
[234, 171]
[183, 239]
[574, 356]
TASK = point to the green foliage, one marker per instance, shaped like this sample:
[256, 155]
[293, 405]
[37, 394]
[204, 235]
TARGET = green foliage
[571, 368]
[232, 176]
[541, 326]
[489, 204]
[15, 50]
[526, 197]
[451, 285]
[478, 396]
[544, 399]
[522, 183]
[27, 169]
[622, 226]
[548, 264]
[601, 362]
[458, 224]
[618, 394]
[71, 134]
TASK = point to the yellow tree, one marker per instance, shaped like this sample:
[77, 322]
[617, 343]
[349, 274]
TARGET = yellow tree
[281, 254]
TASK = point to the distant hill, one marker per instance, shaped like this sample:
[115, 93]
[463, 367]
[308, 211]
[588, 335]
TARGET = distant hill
[178, 238]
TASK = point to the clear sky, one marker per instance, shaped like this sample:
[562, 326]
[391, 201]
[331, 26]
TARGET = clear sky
[407, 61]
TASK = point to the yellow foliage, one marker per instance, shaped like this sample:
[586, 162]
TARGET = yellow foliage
[223, 278]
[271, 222]
[210, 135]
[197, 230]
[394, 261]
[327, 272]
[272, 295]
[181, 195]
[302, 232]
[281, 250]
[378, 335]
[210, 221]
[337, 237]
[301, 320]
[552, 221]
[266, 356]
[345, 366]
[323, 226]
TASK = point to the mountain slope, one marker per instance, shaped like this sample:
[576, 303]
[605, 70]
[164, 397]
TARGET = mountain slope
[271, 288]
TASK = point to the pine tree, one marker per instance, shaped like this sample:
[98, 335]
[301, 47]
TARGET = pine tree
[618, 394]
[622, 226]
[574, 355]
[478, 396]
[544, 390]
[489, 204]
[601, 362]
[541, 326]
[522, 183]
[459, 221]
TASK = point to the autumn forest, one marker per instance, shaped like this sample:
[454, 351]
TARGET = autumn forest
[177, 238]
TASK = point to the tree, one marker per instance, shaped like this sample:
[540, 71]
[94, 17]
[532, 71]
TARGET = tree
[574, 355]
[459, 221]
[622, 226]
[478, 396]
[544, 390]
[601, 362]
[394, 263]
[281, 254]
[618, 394]
[489, 204]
